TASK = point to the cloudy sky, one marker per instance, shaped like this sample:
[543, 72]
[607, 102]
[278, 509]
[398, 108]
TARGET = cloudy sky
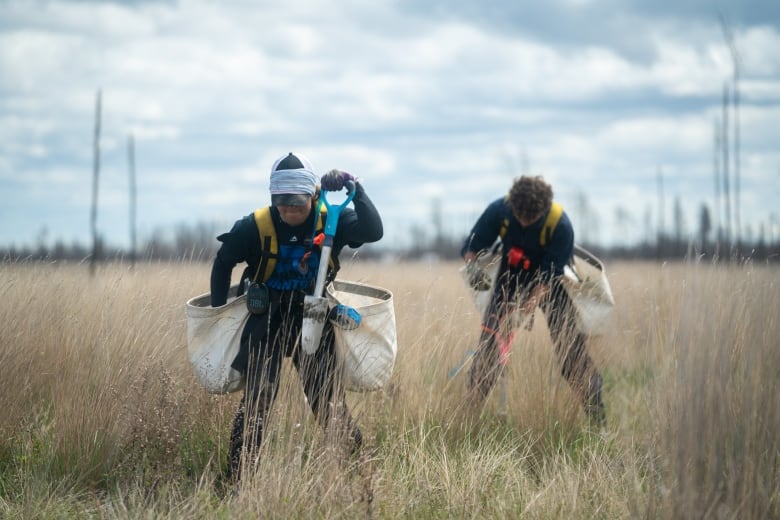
[431, 103]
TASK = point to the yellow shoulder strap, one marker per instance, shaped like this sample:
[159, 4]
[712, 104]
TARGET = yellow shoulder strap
[323, 216]
[269, 246]
[553, 216]
[504, 227]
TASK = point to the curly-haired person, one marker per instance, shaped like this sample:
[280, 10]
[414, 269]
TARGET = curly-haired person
[529, 275]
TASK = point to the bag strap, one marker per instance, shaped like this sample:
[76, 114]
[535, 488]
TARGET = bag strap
[269, 245]
[553, 216]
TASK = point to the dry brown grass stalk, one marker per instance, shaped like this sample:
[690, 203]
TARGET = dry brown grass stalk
[101, 415]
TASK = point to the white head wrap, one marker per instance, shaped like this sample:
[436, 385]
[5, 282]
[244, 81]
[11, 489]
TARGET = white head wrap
[293, 180]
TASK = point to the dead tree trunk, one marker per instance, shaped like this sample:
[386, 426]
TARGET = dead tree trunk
[725, 165]
[95, 177]
[131, 163]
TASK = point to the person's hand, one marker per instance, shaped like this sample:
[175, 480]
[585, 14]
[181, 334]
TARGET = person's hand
[478, 279]
[335, 180]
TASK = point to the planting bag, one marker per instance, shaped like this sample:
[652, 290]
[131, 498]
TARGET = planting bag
[214, 339]
[589, 289]
[584, 280]
[489, 264]
[366, 352]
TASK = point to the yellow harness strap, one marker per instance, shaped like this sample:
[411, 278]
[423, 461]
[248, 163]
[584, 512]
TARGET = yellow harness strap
[268, 242]
[553, 216]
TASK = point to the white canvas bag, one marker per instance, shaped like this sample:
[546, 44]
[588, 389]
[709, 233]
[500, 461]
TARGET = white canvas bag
[214, 339]
[588, 287]
[366, 353]
[584, 280]
[488, 263]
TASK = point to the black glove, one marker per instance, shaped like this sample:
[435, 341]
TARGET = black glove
[334, 180]
[478, 278]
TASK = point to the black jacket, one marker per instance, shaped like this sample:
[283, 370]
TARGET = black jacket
[242, 243]
[545, 263]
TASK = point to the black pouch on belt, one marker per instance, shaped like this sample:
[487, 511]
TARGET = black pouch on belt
[257, 298]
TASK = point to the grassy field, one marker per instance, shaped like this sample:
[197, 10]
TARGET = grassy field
[100, 415]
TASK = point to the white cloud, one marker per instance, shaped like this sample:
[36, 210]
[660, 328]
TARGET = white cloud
[757, 51]
[682, 70]
[420, 106]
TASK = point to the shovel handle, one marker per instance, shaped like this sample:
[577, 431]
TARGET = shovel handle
[334, 210]
[332, 221]
[322, 272]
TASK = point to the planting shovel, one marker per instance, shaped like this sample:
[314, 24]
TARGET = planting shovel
[315, 306]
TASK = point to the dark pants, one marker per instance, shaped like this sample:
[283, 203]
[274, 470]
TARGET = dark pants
[577, 367]
[266, 340]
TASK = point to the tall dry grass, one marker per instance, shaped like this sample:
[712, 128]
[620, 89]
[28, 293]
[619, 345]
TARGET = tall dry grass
[100, 414]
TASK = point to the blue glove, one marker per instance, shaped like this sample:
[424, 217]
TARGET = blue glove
[335, 180]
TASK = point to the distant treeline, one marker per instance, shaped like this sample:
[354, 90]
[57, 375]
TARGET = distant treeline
[198, 243]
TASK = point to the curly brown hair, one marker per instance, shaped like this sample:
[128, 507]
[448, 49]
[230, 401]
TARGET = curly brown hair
[530, 197]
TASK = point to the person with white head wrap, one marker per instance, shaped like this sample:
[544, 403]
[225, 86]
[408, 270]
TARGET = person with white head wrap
[269, 337]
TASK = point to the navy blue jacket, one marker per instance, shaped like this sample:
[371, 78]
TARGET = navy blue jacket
[242, 244]
[545, 262]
